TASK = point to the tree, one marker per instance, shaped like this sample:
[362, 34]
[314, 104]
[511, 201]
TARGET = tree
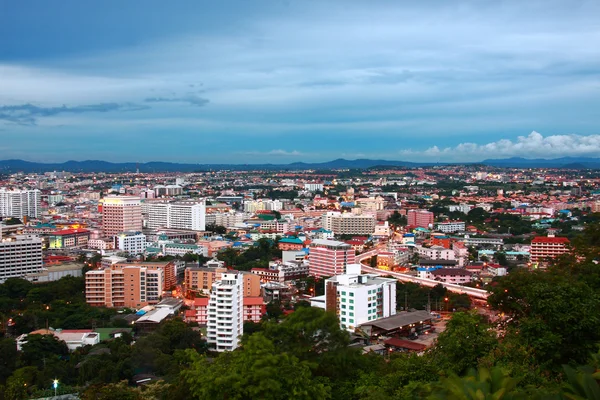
[467, 338]
[555, 314]
[8, 361]
[257, 371]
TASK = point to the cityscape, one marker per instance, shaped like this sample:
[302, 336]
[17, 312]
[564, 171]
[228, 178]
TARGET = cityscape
[303, 200]
[393, 260]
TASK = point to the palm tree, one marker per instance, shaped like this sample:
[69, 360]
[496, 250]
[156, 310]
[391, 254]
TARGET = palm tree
[481, 384]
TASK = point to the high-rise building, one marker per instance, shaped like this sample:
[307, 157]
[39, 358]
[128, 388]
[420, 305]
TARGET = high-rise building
[121, 214]
[201, 279]
[20, 255]
[329, 257]
[419, 218]
[225, 324]
[348, 224]
[357, 298]
[129, 285]
[176, 215]
[20, 203]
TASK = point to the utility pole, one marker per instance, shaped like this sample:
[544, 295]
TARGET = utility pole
[405, 300]
[429, 302]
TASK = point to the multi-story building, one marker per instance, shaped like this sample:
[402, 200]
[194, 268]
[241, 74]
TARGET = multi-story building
[131, 242]
[450, 275]
[129, 284]
[419, 218]
[201, 279]
[348, 223]
[436, 253]
[180, 215]
[254, 309]
[371, 203]
[121, 214]
[225, 324]
[329, 257]
[282, 272]
[313, 187]
[123, 286]
[180, 249]
[358, 298]
[253, 206]
[450, 226]
[20, 203]
[69, 239]
[20, 255]
[546, 247]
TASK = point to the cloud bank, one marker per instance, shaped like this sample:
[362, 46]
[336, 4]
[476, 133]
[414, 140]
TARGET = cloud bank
[535, 145]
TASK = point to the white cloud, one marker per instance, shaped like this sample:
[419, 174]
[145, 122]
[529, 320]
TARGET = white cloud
[275, 153]
[535, 145]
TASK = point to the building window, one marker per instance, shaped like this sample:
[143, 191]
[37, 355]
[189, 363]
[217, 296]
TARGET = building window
[352, 307]
[351, 301]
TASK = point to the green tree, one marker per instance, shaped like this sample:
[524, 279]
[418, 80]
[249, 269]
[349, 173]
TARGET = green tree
[257, 371]
[554, 314]
[466, 339]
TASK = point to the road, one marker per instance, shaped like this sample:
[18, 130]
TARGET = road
[472, 292]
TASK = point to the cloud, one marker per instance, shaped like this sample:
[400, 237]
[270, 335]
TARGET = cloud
[191, 99]
[27, 114]
[535, 145]
[275, 153]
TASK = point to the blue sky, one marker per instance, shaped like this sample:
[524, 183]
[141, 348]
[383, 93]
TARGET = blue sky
[304, 80]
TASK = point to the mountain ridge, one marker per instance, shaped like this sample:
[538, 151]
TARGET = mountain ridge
[16, 165]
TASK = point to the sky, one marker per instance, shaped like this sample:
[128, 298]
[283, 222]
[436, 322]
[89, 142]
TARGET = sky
[282, 81]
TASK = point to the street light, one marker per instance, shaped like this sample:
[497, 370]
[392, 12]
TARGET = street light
[55, 386]
[446, 300]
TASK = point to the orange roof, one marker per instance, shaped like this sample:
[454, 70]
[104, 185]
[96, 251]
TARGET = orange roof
[70, 232]
[253, 301]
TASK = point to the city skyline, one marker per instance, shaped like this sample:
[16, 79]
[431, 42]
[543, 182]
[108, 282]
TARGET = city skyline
[280, 82]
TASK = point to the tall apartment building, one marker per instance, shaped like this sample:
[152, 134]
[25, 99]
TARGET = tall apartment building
[131, 242]
[20, 255]
[20, 203]
[358, 298]
[544, 247]
[329, 257]
[225, 324]
[201, 279]
[121, 214]
[176, 215]
[348, 224]
[419, 218]
[129, 285]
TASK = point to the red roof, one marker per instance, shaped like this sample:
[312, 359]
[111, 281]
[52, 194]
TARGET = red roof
[201, 301]
[253, 301]
[405, 344]
[70, 232]
[546, 239]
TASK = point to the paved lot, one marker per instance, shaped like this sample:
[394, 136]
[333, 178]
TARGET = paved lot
[430, 338]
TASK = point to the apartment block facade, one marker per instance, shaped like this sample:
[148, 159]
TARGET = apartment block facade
[179, 215]
[121, 214]
[419, 218]
[545, 247]
[20, 203]
[20, 255]
[348, 224]
[225, 324]
[201, 280]
[329, 257]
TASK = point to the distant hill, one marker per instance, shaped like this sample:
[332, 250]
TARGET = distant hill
[157, 166]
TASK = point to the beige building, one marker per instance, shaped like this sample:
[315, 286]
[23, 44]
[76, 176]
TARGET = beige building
[121, 214]
[348, 224]
[201, 279]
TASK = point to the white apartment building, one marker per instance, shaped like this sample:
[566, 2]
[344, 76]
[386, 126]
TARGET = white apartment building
[463, 208]
[348, 224]
[189, 216]
[436, 253]
[225, 324]
[450, 226]
[313, 187]
[253, 206]
[131, 242]
[20, 255]
[358, 298]
[20, 203]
